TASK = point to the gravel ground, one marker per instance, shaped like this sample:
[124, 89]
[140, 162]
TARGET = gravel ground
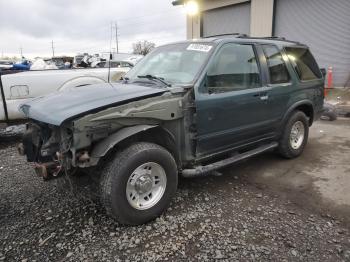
[212, 218]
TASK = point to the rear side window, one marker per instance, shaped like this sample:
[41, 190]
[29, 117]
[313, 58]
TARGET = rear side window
[304, 63]
[277, 68]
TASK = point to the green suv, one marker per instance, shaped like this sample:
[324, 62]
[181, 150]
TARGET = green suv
[188, 108]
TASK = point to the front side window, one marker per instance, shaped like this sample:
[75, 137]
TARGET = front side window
[277, 68]
[303, 63]
[233, 68]
[126, 64]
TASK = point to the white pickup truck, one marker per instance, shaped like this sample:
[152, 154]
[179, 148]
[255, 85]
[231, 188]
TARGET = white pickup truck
[17, 88]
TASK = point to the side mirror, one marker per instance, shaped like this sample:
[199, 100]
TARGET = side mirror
[323, 71]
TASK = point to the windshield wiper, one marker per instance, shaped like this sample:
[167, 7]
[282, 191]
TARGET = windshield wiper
[152, 77]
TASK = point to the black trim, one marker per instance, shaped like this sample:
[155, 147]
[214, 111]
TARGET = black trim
[4, 100]
[273, 18]
[201, 24]
[238, 35]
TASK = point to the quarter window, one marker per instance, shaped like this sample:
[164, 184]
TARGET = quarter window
[277, 68]
[233, 68]
[304, 63]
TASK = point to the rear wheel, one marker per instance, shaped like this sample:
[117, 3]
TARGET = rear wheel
[138, 184]
[294, 136]
[331, 116]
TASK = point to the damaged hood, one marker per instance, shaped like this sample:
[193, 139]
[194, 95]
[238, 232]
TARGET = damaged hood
[57, 107]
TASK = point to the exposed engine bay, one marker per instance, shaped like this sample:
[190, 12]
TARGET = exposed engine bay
[46, 146]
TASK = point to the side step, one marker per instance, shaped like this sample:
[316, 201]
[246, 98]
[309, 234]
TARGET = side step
[203, 170]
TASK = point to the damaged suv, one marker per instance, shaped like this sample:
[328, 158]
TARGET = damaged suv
[187, 108]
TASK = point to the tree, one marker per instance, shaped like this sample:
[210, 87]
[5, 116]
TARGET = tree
[142, 47]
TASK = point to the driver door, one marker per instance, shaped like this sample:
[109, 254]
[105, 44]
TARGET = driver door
[231, 101]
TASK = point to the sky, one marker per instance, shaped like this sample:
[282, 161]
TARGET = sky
[78, 26]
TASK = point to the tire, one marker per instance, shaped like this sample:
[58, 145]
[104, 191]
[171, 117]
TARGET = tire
[331, 116]
[123, 190]
[288, 147]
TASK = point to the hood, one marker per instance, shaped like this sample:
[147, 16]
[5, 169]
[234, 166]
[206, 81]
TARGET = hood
[59, 106]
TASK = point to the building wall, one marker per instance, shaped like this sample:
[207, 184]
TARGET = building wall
[260, 23]
[324, 25]
[261, 17]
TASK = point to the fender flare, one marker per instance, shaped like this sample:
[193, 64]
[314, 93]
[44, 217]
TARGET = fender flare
[102, 147]
[294, 106]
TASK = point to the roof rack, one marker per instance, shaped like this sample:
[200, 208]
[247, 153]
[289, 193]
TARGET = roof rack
[229, 34]
[265, 37]
[278, 38]
[239, 35]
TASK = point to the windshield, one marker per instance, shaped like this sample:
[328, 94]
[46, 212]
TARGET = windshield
[175, 63]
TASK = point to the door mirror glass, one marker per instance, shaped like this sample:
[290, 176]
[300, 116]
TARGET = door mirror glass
[323, 71]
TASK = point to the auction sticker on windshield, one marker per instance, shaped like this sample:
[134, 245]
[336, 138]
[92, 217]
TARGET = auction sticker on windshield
[199, 47]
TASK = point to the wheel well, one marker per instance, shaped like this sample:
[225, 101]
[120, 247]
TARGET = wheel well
[156, 135]
[307, 110]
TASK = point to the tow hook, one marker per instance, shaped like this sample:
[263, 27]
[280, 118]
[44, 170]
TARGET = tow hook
[47, 170]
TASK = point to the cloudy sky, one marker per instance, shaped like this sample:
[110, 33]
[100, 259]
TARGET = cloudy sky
[85, 25]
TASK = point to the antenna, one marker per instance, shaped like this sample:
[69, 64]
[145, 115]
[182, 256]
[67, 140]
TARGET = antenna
[53, 49]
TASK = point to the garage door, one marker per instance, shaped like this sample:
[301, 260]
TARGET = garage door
[324, 25]
[227, 20]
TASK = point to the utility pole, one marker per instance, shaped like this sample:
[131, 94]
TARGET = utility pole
[21, 51]
[116, 37]
[53, 49]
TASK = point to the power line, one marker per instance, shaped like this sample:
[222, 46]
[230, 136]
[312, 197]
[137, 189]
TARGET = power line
[139, 31]
[114, 32]
[140, 22]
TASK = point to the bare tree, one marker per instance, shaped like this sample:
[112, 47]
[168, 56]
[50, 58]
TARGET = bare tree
[143, 47]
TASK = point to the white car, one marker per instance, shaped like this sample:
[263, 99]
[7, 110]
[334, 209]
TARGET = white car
[5, 64]
[17, 88]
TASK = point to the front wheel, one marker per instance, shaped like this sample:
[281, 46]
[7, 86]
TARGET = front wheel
[138, 184]
[294, 136]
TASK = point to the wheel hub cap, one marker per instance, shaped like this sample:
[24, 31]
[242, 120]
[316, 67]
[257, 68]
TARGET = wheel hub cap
[143, 184]
[297, 135]
[146, 186]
